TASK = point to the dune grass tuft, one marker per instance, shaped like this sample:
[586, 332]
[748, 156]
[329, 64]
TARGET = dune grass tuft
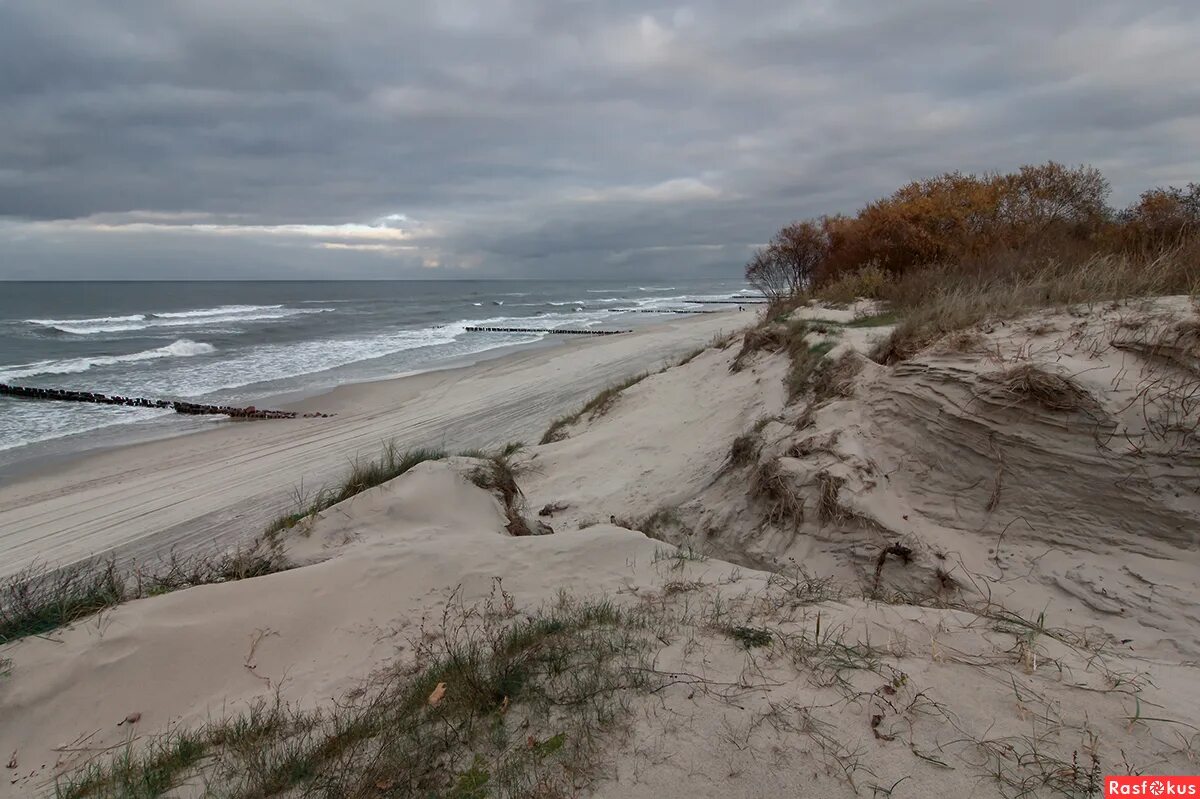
[770, 484]
[806, 360]
[939, 300]
[1052, 391]
[770, 338]
[41, 599]
[875, 320]
[744, 450]
[749, 637]
[499, 474]
[598, 405]
[835, 377]
[363, 474]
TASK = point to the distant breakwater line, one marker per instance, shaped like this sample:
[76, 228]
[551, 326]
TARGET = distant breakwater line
[543, 330]
[660, 310]
[727, 302]
[190, 408]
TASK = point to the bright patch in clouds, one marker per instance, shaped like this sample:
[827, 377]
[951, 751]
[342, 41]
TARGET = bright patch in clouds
[526, 138]
[668, 191]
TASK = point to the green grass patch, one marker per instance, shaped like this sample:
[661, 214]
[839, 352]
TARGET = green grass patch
[39, 599]
[750, 637]
[496, 706]
[875, 320]
[806, 358]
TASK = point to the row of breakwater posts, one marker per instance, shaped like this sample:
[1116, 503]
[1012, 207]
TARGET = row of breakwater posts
[190, 408]
[727, 302]
[544, 330]
[660, 310]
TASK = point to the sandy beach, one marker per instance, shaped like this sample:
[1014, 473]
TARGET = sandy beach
[216, 487]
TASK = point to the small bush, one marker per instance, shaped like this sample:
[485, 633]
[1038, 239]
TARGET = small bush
[750, 637]
[867, 283]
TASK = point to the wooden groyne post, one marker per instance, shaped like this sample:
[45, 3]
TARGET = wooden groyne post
[190, 408]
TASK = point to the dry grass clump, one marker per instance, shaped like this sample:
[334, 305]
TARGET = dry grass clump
[498, 474]
[1052, 391]
[596, 406]
[806, 360]
[829, 510]
[792, 339]
[770, 483]
[662, 521]
[1182, 336]
[940, 300]
[961, 341]
[744, 450]
[771, 338]
[835, 378]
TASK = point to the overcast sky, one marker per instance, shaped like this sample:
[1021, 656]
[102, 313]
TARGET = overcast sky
[544, 138]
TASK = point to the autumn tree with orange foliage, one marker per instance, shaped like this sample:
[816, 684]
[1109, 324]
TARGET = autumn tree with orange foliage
[951, 218]
[1161, 218]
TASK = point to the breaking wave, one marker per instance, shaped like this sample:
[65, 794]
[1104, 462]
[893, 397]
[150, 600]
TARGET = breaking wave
[183, 348]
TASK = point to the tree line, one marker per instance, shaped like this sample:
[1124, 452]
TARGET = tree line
[1048, 211]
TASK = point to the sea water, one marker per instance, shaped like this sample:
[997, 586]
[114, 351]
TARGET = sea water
[238, 342]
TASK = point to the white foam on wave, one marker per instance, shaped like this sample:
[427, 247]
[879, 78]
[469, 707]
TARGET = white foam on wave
[276, 362]
[220, 310]
[26, 423]
[182, 348]
[98, 320]
[198, 318]
[99, 324]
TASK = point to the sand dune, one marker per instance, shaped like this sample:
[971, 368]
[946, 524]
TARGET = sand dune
[973, 572]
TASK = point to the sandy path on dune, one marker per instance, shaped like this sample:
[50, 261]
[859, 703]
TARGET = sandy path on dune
[221, 485]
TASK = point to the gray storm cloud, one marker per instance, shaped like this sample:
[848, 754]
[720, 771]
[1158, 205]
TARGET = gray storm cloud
[543, 139]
